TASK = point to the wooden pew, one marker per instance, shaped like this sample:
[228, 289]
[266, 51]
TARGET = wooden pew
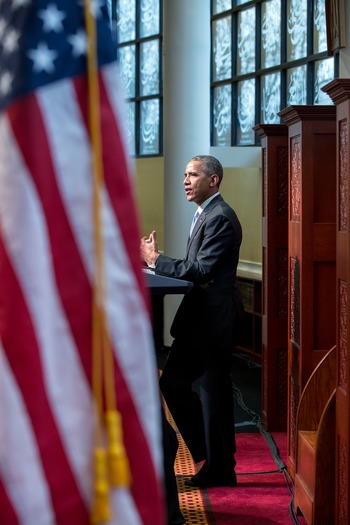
[314, 493]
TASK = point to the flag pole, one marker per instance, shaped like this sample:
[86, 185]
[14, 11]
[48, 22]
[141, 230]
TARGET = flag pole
[111, 465]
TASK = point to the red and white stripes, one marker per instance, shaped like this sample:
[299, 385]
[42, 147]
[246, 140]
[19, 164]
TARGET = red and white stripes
[46, 271]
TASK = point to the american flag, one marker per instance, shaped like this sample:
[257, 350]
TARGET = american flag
[47, 254]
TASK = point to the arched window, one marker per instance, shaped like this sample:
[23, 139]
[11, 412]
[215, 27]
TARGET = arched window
[266, 55]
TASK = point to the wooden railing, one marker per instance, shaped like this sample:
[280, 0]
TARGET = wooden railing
[314, 493]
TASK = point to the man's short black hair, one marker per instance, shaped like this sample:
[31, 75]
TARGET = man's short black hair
[210, 166]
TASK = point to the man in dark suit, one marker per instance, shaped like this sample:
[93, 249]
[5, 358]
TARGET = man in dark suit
[205, 326]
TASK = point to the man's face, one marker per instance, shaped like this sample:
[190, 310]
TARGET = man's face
[198, 185]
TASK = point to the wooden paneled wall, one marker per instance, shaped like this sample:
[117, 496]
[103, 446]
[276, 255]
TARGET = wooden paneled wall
[311, 248]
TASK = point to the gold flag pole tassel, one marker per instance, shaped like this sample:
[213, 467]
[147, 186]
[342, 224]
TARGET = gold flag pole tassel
[112, 465]
[100, 511]
[118, 464]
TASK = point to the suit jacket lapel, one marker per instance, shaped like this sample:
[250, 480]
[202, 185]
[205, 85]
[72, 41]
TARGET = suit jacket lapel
[201, 219]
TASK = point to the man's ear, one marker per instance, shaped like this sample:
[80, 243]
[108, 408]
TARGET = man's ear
[214, 180]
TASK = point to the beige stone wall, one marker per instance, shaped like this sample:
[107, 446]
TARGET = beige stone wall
[149, 191]
[242, 189]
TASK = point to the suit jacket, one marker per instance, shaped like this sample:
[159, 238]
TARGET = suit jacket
[211, 313]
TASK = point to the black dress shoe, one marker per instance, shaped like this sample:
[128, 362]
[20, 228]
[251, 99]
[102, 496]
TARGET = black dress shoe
[206, 479]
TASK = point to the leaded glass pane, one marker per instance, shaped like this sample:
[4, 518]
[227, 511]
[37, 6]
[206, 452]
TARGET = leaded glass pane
[270, 98]
[222, 116]
[246, 111]
[149, 18]
[271, 33]
[297, 29]
[296, 86]
[222, 49]
[126, 18]
[130, 127]
[241, 2]
[149, 127]
[246, 41]
[219, 6]
[320, 33]
[149, 68]
[126, 56]
[324, 73]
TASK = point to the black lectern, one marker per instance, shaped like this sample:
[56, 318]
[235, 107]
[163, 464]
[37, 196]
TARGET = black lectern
[159, 287]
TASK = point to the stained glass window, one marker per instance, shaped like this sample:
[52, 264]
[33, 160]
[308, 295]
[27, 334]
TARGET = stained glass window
[139, 38]
[221, 5]
[324, 73]
[320, 33]
[270, 98]
[296, 29]
[296, 86]
[149, 18]
[246, 111]
[126, 20]
[222, 49]
[271, 34]
[130, 126]
[149, 68]
[149, 126]
[222, 115]
[127, 60]
[246, 41]
[266, 55]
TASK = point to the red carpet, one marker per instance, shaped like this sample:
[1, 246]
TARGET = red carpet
[263, 494]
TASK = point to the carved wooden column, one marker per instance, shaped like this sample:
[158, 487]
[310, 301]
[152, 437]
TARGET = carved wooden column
[311, 248]
[274, 142]
[339, 91]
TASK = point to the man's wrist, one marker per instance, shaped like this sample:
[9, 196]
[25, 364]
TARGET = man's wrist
[152, 263]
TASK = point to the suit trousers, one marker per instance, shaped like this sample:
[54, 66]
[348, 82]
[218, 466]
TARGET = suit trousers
[170, 446]
[197, 387]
